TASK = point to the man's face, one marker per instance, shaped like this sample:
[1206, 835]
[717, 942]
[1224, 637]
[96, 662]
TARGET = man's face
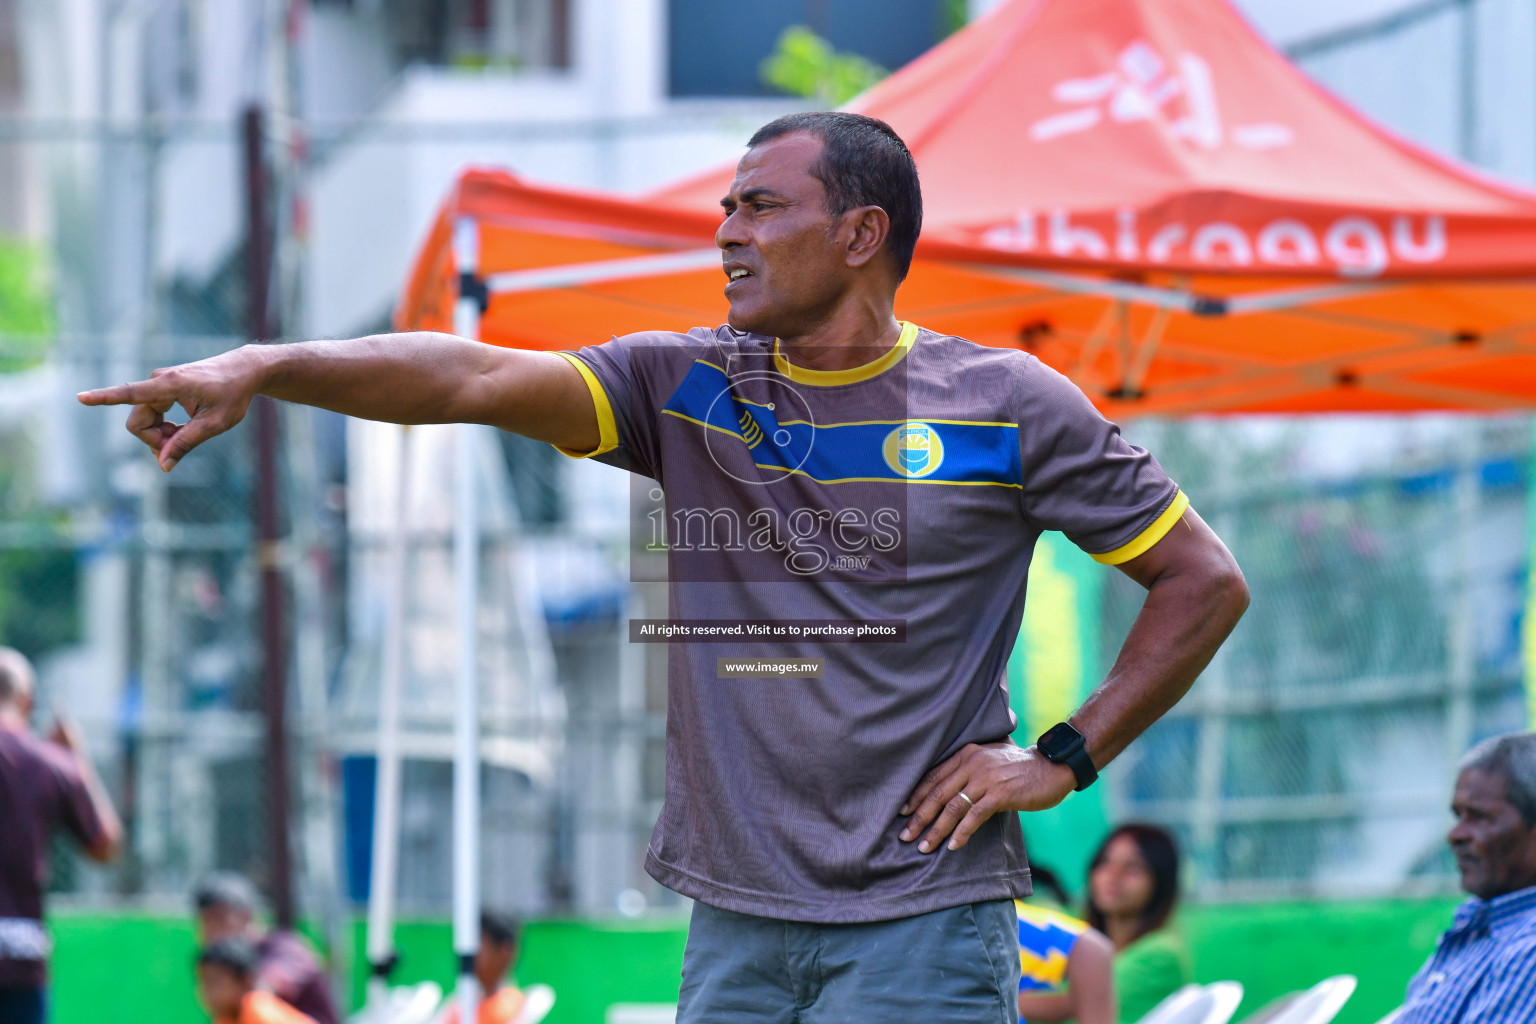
[1495, 849]
[223, 990]
[217, 923]
[492, 962]
[784, 259]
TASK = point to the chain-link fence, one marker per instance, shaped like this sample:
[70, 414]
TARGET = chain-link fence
[138, 593]
[1317, 753]
[142, 613]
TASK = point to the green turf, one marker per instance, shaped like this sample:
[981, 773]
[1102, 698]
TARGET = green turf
[131, 968]
[1279, 947]
[589, 964]
[136, 968]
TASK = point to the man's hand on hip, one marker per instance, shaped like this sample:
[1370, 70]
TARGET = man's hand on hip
[977, 782]
[215, 393]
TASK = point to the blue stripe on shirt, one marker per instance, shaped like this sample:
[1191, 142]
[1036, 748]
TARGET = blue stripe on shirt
[968, 452]
[1484, 970]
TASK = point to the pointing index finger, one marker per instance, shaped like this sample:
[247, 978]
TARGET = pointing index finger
[139, 393]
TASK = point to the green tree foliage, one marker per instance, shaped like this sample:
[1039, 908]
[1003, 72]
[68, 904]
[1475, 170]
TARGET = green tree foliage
[39, 599]
[804, 64]
[954, 15]
[26, 306]
[39, 585]
[39, 607]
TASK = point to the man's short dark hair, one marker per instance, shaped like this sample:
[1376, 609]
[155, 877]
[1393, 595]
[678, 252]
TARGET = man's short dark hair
[863, 163]
[1512, 757]
[500, 927]
[225, 889]
[236, 954]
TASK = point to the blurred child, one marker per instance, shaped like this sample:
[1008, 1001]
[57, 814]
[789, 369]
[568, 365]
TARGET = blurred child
[287, 967]
[1065, 966]
[500, 1002]
[226, 976]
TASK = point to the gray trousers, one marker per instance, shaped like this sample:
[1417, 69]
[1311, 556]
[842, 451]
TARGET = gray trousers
[956, 965]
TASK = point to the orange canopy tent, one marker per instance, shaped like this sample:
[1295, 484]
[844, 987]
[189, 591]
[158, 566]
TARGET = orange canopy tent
[1142, 192]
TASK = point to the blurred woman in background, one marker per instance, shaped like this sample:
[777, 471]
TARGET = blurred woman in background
[1133, 887]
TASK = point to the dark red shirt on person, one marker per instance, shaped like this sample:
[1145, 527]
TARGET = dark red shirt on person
[291, 972]
[41, 791]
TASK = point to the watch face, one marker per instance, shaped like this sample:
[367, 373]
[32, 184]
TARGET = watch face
[1058, 740]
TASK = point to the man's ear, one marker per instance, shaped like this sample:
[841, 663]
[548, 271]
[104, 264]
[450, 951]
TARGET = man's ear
[869, 228]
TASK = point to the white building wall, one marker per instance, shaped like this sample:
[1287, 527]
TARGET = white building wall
[606, 124]
[373, 200]
[346, 64]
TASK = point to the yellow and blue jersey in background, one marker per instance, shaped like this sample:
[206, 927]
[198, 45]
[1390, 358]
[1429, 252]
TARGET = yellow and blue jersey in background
[1046, 938]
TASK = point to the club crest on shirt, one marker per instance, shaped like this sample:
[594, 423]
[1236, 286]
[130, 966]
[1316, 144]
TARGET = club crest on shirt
[913, 450]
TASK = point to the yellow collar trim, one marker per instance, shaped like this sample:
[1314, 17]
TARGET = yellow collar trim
[830, 378]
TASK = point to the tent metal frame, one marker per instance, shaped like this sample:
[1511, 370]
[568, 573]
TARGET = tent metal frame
[1136, 354]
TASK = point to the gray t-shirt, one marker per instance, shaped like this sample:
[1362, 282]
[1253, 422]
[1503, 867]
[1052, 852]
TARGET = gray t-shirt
[911, 489]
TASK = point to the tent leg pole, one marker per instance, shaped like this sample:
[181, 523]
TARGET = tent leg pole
[1094, 345]
[1137, 374]
[384, 871]
[1127, 344]
[466, 722]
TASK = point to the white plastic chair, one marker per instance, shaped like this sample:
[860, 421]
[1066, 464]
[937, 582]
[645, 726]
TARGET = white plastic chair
[405, 1004]
[641, 1013]
[1267, 1013]
[1198, 1004]
[538, 1000]
[1317, 1005]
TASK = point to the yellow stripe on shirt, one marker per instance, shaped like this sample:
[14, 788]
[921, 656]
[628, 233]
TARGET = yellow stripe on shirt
[1148, 537]
[607, 426]
[832, 378]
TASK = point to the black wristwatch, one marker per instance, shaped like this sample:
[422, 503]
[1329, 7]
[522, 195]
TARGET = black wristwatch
[1062, 744]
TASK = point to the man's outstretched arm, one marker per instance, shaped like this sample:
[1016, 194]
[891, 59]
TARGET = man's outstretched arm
[1195, 595]
[417, 377]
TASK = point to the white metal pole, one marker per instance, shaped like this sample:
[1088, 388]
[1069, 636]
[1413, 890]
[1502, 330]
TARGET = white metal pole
[466, 722]
[386, 792]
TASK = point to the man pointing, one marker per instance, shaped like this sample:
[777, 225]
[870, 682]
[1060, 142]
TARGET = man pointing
[848, 833]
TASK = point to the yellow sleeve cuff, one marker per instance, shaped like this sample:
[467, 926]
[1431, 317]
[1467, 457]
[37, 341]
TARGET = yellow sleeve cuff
[607, 427]
[1148, 537]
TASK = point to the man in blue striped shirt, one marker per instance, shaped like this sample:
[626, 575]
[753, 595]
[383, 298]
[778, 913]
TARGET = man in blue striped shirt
[1484, 970]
